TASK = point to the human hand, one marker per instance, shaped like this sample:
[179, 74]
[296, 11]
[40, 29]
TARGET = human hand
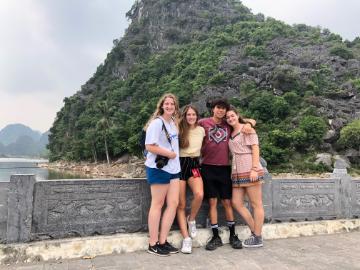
[248, 128]
[253, 175]
[172, 155]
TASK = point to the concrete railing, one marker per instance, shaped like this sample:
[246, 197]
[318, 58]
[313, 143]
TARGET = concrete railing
[35, 210]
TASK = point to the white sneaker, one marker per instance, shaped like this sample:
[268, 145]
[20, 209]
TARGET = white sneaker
[192, 227]
[186, 245]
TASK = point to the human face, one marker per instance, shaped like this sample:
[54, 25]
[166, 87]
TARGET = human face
[168, 106]
[191, 117]
[219, 112]
[232, 118]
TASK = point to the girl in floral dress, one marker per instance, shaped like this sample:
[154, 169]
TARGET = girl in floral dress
[247, 177]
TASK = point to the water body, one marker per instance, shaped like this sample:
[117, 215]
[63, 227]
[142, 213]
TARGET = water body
[10, 166]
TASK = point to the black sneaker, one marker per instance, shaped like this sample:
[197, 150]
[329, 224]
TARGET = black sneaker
[235, 242]
[167, 246]
[158, 250]
[214, 243]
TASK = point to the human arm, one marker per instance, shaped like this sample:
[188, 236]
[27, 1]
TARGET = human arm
[152, 140]
[157, 150]
[249, 126]
[255, 157]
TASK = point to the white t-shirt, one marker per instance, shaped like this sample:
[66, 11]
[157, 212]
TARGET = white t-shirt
[156, 135]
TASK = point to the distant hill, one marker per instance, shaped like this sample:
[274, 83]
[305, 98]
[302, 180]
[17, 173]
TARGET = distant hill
[12, 132]
[20, 140]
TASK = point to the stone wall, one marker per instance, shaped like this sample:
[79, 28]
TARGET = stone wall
[4, 190]
[35, 210]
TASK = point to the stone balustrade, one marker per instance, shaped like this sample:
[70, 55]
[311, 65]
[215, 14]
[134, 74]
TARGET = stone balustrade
[35, 210]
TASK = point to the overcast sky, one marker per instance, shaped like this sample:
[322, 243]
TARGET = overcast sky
[49, 48]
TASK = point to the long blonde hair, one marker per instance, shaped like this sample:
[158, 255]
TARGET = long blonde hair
[184, 126]
[160, 111]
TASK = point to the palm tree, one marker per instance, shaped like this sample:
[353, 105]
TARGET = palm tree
[104, 125]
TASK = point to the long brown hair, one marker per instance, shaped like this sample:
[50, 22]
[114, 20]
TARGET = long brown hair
[241, 119]
[160, 111]
[184, 126]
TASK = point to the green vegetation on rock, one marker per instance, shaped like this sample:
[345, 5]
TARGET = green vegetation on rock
[291, 79]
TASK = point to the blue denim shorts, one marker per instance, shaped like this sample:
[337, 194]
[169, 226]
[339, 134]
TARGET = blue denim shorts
[158, 176]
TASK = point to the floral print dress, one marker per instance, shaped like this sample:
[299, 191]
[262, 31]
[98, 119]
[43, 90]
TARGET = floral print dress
[240, 147]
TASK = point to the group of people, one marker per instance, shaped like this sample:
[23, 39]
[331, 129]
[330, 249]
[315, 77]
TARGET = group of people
[185, 150]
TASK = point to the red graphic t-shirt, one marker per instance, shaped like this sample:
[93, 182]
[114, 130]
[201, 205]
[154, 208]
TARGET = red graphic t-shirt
[215, 148]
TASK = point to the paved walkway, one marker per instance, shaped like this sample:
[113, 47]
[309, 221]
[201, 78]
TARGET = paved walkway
[337, 251]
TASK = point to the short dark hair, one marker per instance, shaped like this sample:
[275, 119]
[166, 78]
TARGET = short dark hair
[220, 102]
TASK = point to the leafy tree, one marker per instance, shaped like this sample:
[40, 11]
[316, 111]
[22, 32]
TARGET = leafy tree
[314, 127]
[104, 125]
[268, 107]
[350, 135]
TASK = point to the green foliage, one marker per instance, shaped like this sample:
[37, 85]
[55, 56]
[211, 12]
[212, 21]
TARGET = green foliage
[273, 154]
[255, 51]
[350, 135]
[292, 98]
[356, 83]
[342, 51]
[106, 116]
[269, 108]
[314, 129]
[280, 138]
[286, 78]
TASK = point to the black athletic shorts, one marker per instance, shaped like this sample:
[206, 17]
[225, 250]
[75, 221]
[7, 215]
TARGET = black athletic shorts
[187, 165]
[217, 181]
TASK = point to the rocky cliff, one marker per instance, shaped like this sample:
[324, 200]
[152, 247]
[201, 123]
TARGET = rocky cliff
[301, 83]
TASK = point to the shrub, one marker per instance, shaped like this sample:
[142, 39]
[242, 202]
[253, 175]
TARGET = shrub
[280, 138]
[269, 108]
[255, 51]
[356, 84]
[342, 52]
[292, 98]
[350, 135]
[314, 127]
[273, 154]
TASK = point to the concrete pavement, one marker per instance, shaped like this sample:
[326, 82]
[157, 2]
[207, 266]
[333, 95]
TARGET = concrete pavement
[335, 251]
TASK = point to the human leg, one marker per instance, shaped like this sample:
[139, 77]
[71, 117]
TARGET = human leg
[238, 196]
[197, 188]
[215, 241]
[181, 216]
[172, 201]
[233, 239]
[255, 196]
[158, 195]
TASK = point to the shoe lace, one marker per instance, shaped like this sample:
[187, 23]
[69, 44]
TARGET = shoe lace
[187, 244]
[192, 227]
[211, 239]
[251, 240]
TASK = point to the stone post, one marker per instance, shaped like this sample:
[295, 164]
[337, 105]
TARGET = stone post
[267, 193]
[20, 207]
[4, 190]
[340, 171]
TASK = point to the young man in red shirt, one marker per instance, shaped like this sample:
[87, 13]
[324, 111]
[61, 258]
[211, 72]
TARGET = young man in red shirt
[216, 171]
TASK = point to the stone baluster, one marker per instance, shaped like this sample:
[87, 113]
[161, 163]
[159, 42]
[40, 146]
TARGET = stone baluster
[20, 208]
